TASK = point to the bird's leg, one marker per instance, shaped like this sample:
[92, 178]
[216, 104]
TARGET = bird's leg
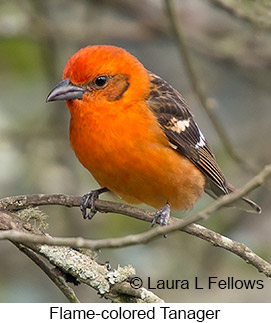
[91, 197]
[163, 214]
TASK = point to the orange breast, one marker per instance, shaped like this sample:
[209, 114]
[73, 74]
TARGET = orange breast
[126, 151]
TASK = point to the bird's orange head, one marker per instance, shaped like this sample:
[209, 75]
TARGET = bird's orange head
[102, 74]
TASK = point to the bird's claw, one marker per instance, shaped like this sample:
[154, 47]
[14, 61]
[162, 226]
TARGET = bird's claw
[163, 214]
[88, 201]
[89, 197]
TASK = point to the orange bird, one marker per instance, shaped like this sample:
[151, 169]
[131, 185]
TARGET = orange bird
[136, 134]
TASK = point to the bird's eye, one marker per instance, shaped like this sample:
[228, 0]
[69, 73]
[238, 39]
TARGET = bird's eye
[100, 81]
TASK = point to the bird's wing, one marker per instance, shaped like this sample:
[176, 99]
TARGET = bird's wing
[176, 120]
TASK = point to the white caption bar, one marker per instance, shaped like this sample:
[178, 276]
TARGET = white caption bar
[107, 312]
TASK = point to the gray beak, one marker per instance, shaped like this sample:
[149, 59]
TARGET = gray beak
[65, 90]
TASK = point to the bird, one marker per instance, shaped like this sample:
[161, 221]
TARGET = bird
[137, 135]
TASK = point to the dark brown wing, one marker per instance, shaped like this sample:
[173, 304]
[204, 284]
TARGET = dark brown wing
[184, 135]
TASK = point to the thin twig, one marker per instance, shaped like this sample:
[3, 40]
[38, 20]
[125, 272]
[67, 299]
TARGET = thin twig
[174, 224]
[15, 203]
[206, 103]
[214, 238]
[257, 13]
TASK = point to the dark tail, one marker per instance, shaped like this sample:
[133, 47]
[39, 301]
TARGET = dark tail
[244, 203]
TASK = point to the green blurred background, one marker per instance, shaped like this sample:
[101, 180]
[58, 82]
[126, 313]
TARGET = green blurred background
[233, 61]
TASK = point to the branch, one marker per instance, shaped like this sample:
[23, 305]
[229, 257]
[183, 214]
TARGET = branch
[256, 13]
[199, 231]
[187, 225]
[16, 203]
[206, 103]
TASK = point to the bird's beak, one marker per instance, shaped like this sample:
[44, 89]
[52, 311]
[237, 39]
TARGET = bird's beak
[65, 90]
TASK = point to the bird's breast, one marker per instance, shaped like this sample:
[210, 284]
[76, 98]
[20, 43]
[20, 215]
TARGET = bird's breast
[105, 136]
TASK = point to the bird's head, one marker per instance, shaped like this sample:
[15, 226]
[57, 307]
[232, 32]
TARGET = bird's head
[102, 73]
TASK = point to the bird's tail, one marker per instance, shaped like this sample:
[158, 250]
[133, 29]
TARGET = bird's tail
[244, 203]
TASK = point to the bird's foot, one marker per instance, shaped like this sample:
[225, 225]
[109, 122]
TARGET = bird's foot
[163, 215]
[89, 199]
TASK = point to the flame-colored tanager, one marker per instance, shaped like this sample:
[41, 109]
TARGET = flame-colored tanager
[136, 134]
